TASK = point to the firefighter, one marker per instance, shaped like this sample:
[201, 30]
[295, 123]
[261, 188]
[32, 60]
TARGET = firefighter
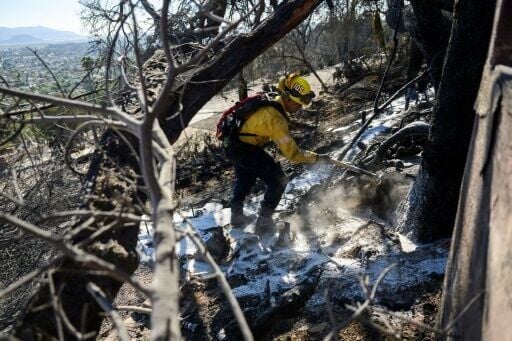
[268, 124]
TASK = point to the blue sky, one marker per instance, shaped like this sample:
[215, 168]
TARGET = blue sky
[57, 14]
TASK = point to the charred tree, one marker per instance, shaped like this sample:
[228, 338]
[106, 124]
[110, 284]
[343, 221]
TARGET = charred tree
[242, 86]
[434, 195]
[479, 270]
[428, 27]
[113, 177]
[431, 31]
[413, 68]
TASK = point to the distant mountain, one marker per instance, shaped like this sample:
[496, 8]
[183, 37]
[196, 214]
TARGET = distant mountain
[21, 39]
[36, 34]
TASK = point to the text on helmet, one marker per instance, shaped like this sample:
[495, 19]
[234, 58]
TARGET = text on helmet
[298, 87]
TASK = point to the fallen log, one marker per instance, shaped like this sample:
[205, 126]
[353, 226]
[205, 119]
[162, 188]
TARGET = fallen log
[416, 129]
[288, 305]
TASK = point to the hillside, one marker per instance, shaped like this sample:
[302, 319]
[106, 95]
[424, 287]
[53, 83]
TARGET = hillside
[117, 195]
[21, 39]
[334, 229]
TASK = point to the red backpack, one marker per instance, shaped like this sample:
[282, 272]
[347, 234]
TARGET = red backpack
[231, 120]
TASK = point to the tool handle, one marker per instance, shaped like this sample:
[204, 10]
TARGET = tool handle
[351, 167]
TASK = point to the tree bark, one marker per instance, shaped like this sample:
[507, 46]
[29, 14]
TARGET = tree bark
[479, 266]
[430, 29]
[434, 195]
[242, 86]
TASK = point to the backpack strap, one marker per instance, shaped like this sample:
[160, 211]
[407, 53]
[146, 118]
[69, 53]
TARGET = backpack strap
[276, 105]
[240, 113]
[264, 100]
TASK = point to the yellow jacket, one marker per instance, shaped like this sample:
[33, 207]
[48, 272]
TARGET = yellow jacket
[268, 124]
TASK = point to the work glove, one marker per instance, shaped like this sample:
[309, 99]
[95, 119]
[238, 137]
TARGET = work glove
[323, 158]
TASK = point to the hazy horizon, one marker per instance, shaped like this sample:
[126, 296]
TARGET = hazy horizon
[42, 26]
[62, 15]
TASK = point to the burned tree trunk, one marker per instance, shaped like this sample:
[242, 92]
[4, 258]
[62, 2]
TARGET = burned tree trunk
[242, 86]
[430, 30]
[428, 27]
[434, 195]
[415, 62]
[113, 179]
[479, 270]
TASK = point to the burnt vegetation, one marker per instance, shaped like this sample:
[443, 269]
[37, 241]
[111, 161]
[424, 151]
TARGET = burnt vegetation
[84, 176]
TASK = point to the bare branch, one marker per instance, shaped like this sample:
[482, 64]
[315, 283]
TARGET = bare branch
[151, 11]
[130, 122]
[106, 305]
[122, 61]
[143, 96]
[55, 305]
[88, 73]
[72, 251]
[164, 298]
[13, 135]
[135, 309]
[95, 213]
[224, 285]
[78, 335]
[361, 308]
[48, 106]
[121, 21]
[214, 17]
[14, 200]
[16, 186]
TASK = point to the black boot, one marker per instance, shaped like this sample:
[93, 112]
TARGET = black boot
[265, 224]
[238, 219]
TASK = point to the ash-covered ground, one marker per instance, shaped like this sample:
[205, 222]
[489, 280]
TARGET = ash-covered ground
[337, 231]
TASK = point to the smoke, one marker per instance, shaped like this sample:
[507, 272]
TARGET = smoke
[346, 203]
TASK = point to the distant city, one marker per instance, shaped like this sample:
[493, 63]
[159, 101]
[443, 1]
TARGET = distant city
[22, 69]
[65, 54]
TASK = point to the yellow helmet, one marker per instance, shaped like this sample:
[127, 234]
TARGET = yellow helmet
[296, 88]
